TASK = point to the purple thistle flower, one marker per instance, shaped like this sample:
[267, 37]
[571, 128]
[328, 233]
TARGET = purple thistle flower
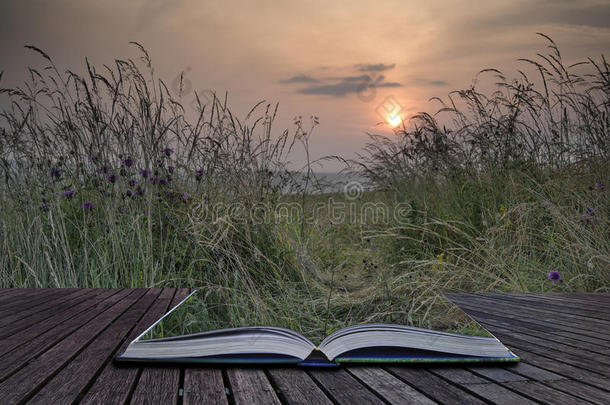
[129, 193]
[199, 174]
[600, 186]
[57, 172]
[170, 169]
[88, 205]
[144, 172]
[185, 196]
[133, 183]
[127, 162]
[168, 151]
[112, 178]
[68, 193]
[555, 277]
[105, 169]
[155, 180]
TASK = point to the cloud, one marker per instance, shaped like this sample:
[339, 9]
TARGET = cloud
[348, 85]
[300, 78]
[376, 67]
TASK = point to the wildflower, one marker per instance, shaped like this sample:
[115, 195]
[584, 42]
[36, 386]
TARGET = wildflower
[199, 174]
[168, 151]
[600, 186]
[57, 173]
[68, 193]
[44, 206]
[555, 277]
[139, 191]
[144, 172]
[88, 205]
[127, 162]
[104, 169]
[112, 178]
[132, 183]
[185, 196]
[155, 180]
[170, 169]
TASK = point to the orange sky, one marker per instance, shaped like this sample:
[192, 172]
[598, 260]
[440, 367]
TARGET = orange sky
[311, 56]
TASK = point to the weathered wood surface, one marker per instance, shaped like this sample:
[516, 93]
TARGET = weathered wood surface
[57, 346]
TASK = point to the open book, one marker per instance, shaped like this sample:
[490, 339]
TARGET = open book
[174, 338]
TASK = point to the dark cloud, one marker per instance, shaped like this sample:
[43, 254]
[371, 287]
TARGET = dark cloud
[301, 78]
[375, 67]
[348, 85]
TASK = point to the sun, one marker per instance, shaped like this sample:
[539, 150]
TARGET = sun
[394, 120]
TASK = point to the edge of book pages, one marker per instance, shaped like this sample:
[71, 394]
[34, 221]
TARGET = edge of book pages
[316, 362]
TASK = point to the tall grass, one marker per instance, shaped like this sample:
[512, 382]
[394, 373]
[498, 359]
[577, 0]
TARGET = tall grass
[109, 180]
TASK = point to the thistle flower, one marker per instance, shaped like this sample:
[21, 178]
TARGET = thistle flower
[555, 277]
[112, 178]
[68, 193]
[185, 196]
[88, 205]
[127, 162]
[132, 183]
[57, 173]
[170, 169]
[199, 174]
[104, 169]
[144, 172]
[168, 151]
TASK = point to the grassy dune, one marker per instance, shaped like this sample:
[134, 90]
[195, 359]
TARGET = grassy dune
[108, 181]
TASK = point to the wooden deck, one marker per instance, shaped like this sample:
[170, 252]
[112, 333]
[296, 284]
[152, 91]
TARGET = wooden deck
[57, 345]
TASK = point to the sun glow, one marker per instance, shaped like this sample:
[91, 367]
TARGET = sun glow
[394, 120]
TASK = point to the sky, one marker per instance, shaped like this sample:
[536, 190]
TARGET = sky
[354, 64]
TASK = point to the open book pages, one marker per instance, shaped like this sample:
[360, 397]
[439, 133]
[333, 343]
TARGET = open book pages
[189, 333]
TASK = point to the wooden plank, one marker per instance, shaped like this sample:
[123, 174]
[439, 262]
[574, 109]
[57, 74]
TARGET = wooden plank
[549, 304]
[294, 386]
[66, 386]
[591, 394]
[204, 386]
[532, 372]
[497, 374]
[30, 378]
[499, 395]
[552, 341]
[433, 386]
[160, 382]
[576, 307]
[250, 386]
[21, 355]
[105, 388]
[343, 388]
[13, 324]
[389, 387]
[552, 318]
[509, 315]
[563, 369]
[20, 308]
[12, 294]
[458, 375]
[25, 335]
[544, 394]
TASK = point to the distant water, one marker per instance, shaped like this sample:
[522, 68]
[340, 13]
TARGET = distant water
[330, 182]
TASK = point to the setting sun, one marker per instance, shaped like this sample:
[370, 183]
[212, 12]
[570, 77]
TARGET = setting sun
[394, 120]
